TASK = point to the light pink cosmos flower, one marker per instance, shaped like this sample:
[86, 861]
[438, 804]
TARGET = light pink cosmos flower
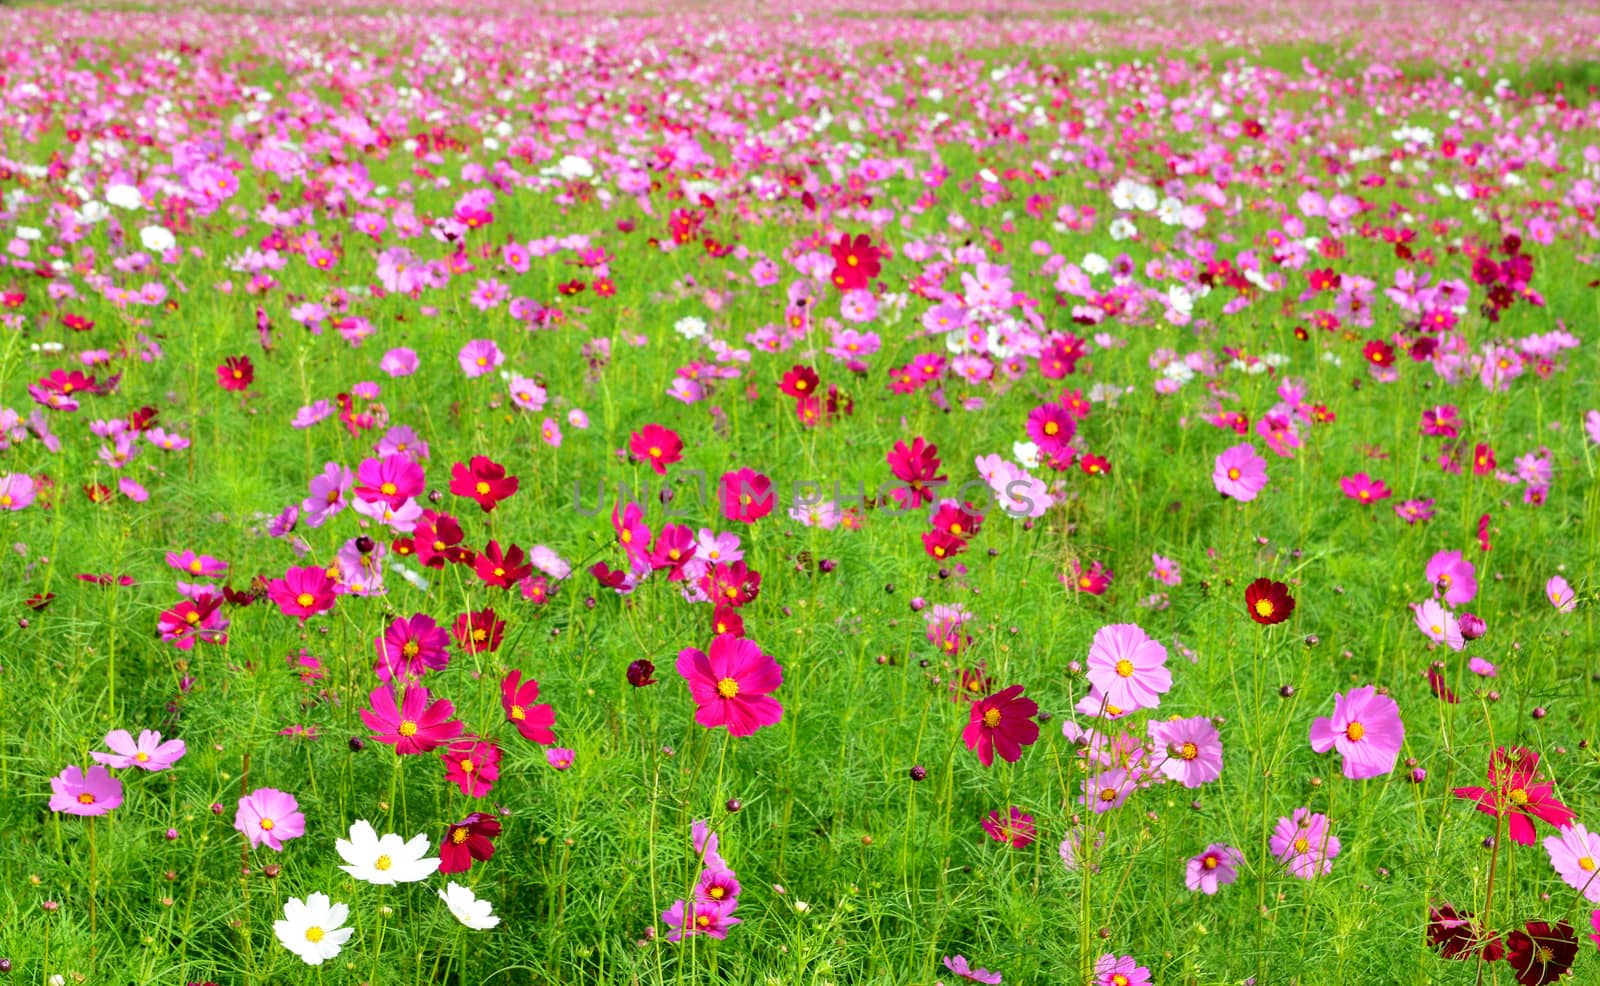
[550, 432]
[1120, 970]
[74, 793]
[1560, 594]
[267, 815]
[1190, 749]
[1591, 424]
[1365, 729]
[1454, 577]
[1213, 868]
[1439, 624]
[480, 356]
[1128, 667]
[399, 362]
[960, 967]
[1575, 854]
[16, 491]
[148, 754]
[1240, 473]
[1166, 571]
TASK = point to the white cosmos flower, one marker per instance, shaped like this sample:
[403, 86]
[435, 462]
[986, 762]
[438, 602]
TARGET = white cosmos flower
[468, 909]
[387, 860]
[1093, 263]
[690, 326]
[572, 166]
[157, 239]
[311, 928]
[124, 196]
[1026, 454]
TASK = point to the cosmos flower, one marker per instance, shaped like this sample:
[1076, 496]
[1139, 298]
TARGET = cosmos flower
[148, 754]
[532, 720]
[72, 792]
[313, 928]
[1515, 792]
[1364, 488]
[470, 839]
[385, 860]
[1303, 844]
[958, 966]
[267, 816]
[1365, 729]
[1560, 594]
[1240, 473]
[1268, 602]
[1540, 953]
[1192, 749]
[1015, 829]
[1128, 667]
[1575, 854]
[1216, 866]
[1003, 723]
[731, 685]
[414, 725]
[1120, 970]
[1457, 936]
[656, 447]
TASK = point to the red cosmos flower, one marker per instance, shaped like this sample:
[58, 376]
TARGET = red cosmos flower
[799, 382]
[473, 765]
[726, 620]
[855, 262]
[1457, 936]
[1094, 465]
[1268, 602]
[747, 495]
[39, 600]
[607, 576]
[97, 492]
[437, 539]
[192, 620]
[1541, 954]
[479, 632]
[731, 585]
[236, 373]
[517, 697]
[503, 570]
[1001, 722]
[484, 481]
[1515, 792]
[1483, 460]
[414, 725]
[914, 465]
[469, 839]
[940, 545]
[656, 446]
[303, 592]
[962, 521]
[1378, 353]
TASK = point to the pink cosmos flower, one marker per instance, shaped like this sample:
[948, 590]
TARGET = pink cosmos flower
[74, 793]
[1240, 473]
[414, 725]
[1575, 854]
[533, 721]
[1364, 488]
[731, 685]
[410, 647]
[550, 432]
[559, 757]
[480, 356]
[656, 446]
[1191, 749]
[1453, 577]
[1128, 667]
[1365, 729]
[148, 754]
[1415, 511]
[1120, 970]
[473, 765]
[1439, 624]
[1304, 845]
[1165, 570]
[1015, 829]
[698, 917]
[1217, 866]
[1591, 425]
[303, 592]
[16, 491]
[747, 495]
[958, 966]
[1560, 594]
[193, 565]
[392, 480]
[267, 815]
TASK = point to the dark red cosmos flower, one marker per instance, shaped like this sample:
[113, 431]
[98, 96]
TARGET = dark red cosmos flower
[480, 632]
[1002, 722]
[39, 600]
[469, 839]
[641, 673]
[746, 495]
[607, 576]
[484, 480]
[855, 262]
[1541, 954]
[1457, 936]
[517, 697]
[801, 381]
[1441, 690]
[1268, 602]
[503, 569]
[731, 585]
[940, 545]
[1514, 790]
[656, 447]
[437, 539]
[236, 373]
[962, 521]
[726, 621]
[1378, 353]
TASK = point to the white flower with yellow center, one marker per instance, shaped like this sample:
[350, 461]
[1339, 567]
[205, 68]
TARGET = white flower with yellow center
[311, 928]
[387, 860]
[469, 910]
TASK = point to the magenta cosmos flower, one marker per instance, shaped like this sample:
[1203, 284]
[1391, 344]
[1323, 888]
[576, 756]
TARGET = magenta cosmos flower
[1516, 792]
[303, 592]
[399, 362]
[1001, 722]
[480, 356]
[267, 815]
[1240, 473]
[1364, 488]
[1453, 577]
[1303, 844]
[148, 754]
[391, 480]
[1192, 748]
[74, 793]
[410, 647]
[731, 685]
[746, 495]
[1560, 594]
[1120, 970]
[1015, 829]
[1365, 729]
[1128, 667]
[959, 966]
[413, 725]
[1216, 867]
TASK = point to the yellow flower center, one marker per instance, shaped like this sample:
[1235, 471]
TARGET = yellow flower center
[655, 452]
[86, 798]
[1210, 862]
[627, 536]
[1118, 979]
[388, 489]
[482, 488]
[305, 599]
[1301, 845]
[142, 757]
[1264, 607]
[382, 863]
[458, 836]
[411, 648]
[1125, 668]
[727, 688]
[1233, 473]
[1108, 794]
[1050, 427]
[1355, 731]
[314, 934]
[991, 718]
[1518, 796]
[267, 825]
[716, 893]
[194, 566]
[518, 713]
[407, 728]
[1188, 751]
[466, 765]
[1586, 864]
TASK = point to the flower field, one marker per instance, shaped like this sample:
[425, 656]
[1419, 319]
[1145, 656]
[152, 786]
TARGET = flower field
[794, 495]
